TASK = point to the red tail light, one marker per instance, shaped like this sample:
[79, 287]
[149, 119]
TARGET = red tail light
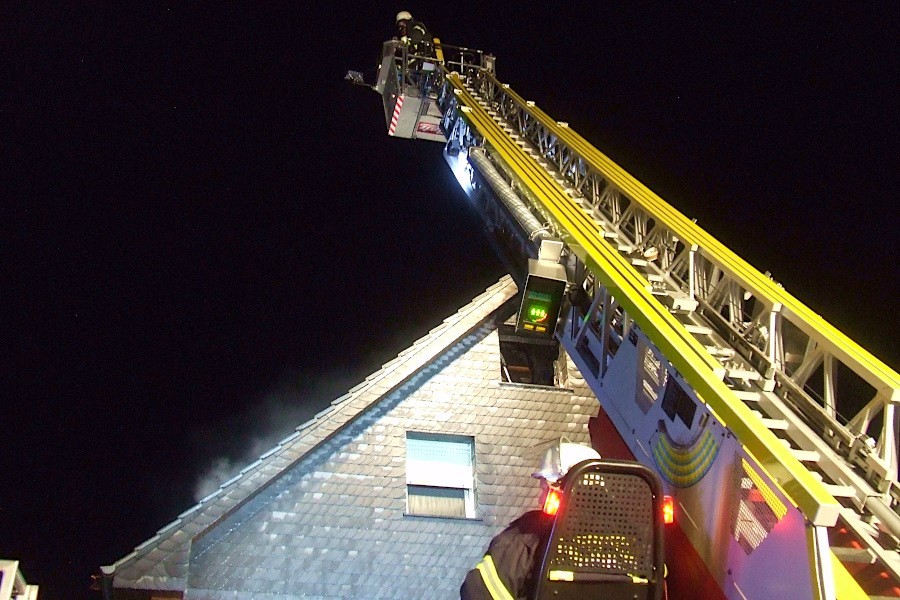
[668, 510]
[551, 504]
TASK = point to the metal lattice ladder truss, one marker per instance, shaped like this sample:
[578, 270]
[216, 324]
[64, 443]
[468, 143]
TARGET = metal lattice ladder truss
[762, 361]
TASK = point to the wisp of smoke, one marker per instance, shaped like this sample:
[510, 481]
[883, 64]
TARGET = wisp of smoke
[221, 470]
[290, 404]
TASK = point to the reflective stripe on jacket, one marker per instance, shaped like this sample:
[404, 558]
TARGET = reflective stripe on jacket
[491, 579]
[508, 570]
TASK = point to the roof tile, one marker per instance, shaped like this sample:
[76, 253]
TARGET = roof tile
[286, 525]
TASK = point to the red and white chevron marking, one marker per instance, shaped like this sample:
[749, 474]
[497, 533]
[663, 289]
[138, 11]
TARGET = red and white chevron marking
[396, 115]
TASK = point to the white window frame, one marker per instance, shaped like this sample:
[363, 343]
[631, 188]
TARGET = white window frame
[442, 461]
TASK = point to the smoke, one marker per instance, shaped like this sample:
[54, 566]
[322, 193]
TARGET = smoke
[242, 438]
[222, 469]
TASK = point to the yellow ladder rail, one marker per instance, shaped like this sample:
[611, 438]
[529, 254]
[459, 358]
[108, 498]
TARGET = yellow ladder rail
[688, 356]
[885, 380]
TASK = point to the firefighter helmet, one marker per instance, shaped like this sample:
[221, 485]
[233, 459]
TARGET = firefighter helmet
[561, 457]
[404, 16]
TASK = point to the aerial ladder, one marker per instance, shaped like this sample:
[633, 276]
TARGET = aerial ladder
[776, 434]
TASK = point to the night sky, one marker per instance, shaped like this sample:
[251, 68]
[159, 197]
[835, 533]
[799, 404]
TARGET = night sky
[210, 236]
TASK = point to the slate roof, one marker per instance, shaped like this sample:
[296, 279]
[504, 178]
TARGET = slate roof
[321, 515]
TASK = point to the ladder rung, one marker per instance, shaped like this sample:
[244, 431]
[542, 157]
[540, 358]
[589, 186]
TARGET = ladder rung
[742, 374]
[779, 424]
[679, 302]
[747, 395]
[720, 352]
[840, 491]
[775, 424]
[854, 555]
[697, 329]
[810, 456]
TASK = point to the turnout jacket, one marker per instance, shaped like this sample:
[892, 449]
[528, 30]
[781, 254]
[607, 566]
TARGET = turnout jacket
[418, 38]
[510, 568]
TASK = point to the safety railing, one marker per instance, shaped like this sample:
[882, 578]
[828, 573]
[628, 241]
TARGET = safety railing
[428, 69]
[796, 351]
[579, 232]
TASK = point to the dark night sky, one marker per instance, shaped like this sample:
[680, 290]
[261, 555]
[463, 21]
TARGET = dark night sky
[210, 235]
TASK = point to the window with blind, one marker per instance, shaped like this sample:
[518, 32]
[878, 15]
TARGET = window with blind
[440, 475]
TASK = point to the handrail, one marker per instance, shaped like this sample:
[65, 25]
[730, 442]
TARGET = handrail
[688, 356]
[885, 380]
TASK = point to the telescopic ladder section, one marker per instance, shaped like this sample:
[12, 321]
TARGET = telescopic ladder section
[765, 364]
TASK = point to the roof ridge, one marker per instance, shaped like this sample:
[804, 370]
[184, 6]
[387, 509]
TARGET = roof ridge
[499, 291]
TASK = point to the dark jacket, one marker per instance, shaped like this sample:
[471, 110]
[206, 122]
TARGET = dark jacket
[512, 561]
[419, 39]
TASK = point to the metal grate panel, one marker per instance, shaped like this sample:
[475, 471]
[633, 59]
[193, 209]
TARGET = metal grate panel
[756, 509]
[607, 527]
